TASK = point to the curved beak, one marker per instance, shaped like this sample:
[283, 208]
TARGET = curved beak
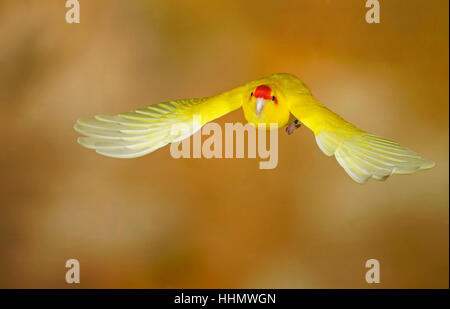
[259, 105]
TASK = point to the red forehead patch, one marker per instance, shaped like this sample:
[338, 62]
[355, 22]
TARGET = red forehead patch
[263, 91]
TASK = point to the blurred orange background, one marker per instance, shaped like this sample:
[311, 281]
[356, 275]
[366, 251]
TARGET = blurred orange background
[157, 222]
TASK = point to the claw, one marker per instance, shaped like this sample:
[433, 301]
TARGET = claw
[292, 127]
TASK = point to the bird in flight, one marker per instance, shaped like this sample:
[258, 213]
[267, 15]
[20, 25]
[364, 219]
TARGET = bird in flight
[265, 101]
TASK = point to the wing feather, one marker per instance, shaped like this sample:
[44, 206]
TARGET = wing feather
[144, 130]
[362, 155]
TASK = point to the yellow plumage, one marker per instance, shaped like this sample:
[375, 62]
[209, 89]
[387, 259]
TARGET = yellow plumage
[361, 154]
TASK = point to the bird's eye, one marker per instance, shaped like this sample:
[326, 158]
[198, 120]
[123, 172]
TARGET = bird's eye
[273, 98]
[251, 94]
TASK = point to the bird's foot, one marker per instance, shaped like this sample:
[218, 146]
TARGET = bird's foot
[292, 127]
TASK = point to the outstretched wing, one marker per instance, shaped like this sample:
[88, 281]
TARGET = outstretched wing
[361, 154]
[136, 133]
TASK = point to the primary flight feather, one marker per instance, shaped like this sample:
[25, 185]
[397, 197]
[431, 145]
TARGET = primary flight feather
[265, 101]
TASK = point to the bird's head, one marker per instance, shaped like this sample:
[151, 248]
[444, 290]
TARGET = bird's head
[262, 95]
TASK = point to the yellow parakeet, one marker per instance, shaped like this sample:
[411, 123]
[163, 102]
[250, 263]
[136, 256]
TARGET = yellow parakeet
[268, 100]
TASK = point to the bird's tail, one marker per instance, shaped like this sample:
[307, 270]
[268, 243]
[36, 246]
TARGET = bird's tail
[364, 155]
